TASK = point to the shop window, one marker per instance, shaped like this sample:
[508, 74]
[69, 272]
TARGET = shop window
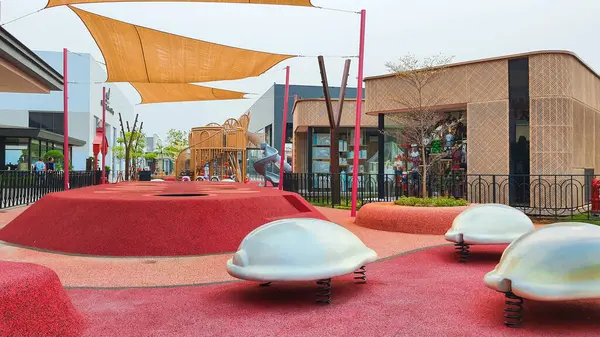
[445, 148]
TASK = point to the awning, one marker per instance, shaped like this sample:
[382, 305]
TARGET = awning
[304, 3]
[97, 143]
[182, 92]
[138, 54]
[22, 132]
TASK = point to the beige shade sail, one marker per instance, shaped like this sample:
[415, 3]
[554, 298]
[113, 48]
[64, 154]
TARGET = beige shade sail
[143, 55]
[182, 92]
[302, 3]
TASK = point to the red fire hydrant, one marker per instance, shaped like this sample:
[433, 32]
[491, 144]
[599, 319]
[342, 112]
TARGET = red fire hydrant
[595, 196]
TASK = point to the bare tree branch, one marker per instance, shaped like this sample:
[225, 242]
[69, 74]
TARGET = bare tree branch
[420, 94]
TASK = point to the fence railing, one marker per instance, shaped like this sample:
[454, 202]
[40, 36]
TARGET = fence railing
[25, 187]
[538, 195]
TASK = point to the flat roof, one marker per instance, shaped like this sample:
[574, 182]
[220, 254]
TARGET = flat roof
[17, 54]
[506, 57]
[23, 132]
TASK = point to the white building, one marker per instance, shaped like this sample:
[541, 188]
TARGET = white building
[42, 114]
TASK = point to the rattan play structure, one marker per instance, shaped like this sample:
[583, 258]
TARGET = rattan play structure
[217, 152]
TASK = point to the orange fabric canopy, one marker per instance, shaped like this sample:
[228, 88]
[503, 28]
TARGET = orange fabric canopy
[181, 92]
[303, 3]
[138, 54]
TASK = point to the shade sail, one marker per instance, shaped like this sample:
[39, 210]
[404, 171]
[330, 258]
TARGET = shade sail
[138, 54]
[181, 92]
[303, 3]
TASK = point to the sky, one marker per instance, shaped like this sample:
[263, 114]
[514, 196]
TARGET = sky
[465, 29]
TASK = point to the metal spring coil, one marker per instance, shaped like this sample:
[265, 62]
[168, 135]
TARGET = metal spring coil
[513, 313]
[324, 291]
[462, 251]
[361, 275]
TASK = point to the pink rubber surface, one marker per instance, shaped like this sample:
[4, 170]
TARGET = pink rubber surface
[34, 303]
[421, 294]
[133, 219]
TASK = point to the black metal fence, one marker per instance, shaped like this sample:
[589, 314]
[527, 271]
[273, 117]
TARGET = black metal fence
[537, 195]
[25, 187]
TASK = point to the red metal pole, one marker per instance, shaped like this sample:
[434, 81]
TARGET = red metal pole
[293, 157]
[355, 162]
[284, 126]
[66, 115]
[103, 177]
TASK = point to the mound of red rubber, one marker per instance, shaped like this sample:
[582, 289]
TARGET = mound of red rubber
[34, 303]
[425, 293]
[387, 216]
[152, 219]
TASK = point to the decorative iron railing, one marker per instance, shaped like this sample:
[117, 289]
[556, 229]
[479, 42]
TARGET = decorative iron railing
[25, 187]
[537, 195]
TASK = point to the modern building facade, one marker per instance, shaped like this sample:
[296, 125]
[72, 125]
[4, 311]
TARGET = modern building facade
[529, 114]
[267, 111]
[311, 151]
[549, 100]
[43, 113]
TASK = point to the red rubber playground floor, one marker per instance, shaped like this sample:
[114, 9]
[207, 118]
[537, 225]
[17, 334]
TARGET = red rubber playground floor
[416, 289]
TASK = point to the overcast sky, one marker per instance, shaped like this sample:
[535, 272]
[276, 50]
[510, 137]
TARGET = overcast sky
[466, 29]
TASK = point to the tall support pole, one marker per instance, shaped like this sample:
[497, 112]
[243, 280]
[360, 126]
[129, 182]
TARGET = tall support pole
[103, 177]
[355, 162]
[66, 115]
[294, 139]
[284, 127]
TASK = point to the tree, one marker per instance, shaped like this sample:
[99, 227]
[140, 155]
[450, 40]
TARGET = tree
[420, 96]
[127, 142]
[135, 152]
[177, 141]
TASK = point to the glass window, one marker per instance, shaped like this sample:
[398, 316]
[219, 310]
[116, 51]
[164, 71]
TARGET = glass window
[289, 132]
[43, 148]
[35, 120]
[16, 157]
[49, 121]
[58, 123]
[35, 150]
[269, 135]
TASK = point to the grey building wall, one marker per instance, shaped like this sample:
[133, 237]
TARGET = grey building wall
[261, 112]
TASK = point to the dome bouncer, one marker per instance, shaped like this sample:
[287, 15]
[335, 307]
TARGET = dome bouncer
[558, 262]
[301, 249]
[487, 224]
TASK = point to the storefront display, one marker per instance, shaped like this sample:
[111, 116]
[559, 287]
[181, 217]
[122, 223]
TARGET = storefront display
[321, 151]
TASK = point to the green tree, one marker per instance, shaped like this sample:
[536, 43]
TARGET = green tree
[176, 142]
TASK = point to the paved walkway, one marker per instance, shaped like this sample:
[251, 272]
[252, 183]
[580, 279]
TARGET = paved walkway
[110, 272]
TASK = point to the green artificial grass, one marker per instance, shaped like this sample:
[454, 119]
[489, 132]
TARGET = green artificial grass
[431, 202]
[345, 204]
